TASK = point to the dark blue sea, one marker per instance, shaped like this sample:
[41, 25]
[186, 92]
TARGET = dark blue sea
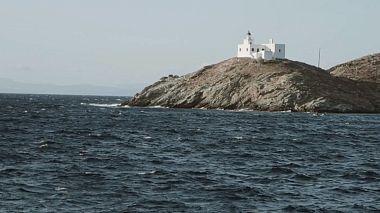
[86, 154]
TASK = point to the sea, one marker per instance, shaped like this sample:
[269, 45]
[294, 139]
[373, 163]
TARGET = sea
[88, 154]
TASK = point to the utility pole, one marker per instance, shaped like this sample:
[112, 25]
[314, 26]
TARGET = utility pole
[319, 57]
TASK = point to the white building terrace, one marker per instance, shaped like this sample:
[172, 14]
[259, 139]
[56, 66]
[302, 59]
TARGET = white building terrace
[268, 51]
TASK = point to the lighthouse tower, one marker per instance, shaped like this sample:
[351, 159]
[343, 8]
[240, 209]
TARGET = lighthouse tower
[245, 49]
[268, 51]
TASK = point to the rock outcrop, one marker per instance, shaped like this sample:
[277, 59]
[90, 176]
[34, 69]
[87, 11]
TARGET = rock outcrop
[365, 69]
[278, 85]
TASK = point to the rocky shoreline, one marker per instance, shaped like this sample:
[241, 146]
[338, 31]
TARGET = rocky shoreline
[277, 85]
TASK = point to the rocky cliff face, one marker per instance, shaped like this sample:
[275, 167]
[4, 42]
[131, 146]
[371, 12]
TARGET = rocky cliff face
[280, 85]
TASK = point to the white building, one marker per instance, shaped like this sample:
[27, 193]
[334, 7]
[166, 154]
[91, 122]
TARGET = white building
[264, 51]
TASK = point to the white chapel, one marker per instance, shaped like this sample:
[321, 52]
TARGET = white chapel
[268, 51]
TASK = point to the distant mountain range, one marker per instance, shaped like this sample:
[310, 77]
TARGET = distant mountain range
[11, 86]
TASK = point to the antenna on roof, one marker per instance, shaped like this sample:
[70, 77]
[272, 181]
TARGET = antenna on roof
[319, 57]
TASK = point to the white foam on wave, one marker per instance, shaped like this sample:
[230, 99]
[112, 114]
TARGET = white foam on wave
[147, 173]
[314, 114]
[60, 188]
[244, 110]
[102, 105]
[114, 105]
[158, 107]
[43, 145]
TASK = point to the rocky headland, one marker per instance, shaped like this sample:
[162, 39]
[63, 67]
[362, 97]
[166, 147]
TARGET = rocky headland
[276, 85]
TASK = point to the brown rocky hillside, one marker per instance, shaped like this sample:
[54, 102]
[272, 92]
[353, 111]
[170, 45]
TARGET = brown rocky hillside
[279, 85]
[363, 69]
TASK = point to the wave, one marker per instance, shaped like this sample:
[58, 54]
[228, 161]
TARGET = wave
[158, 107]
[104, 105]
[147, 173]
[113, 105]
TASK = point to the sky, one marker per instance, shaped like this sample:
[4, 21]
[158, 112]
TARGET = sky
[132, 43]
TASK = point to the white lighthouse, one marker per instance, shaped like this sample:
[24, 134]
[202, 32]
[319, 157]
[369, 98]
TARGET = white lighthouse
[268, 51]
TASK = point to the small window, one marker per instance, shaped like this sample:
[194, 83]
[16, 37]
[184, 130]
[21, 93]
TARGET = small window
[253, 49]
[262, 49]
[257, 50]
[279, 50]
[247, 49]
[239, 49]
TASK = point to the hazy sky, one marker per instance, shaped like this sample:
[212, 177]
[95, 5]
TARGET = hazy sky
[122, 42]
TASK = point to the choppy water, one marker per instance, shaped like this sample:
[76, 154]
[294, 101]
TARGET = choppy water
[85, 154]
